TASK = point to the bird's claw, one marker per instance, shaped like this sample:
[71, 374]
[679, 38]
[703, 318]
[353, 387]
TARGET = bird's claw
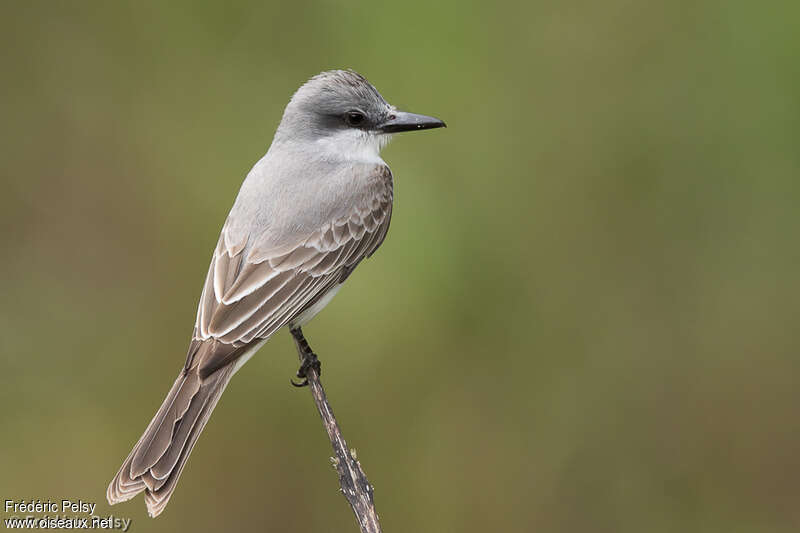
[303, 383]
[310, 360]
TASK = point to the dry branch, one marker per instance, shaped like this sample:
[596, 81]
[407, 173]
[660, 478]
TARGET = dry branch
[354, 483]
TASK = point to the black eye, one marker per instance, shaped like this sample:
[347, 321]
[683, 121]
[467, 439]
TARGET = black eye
[354, 118]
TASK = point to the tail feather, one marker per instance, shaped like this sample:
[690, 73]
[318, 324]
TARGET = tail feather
[158, 437]
[157, 460]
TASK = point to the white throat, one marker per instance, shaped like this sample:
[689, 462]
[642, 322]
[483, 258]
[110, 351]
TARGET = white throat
[353, 145]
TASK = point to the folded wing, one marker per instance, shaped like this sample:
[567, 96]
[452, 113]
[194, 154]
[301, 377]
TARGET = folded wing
[246, 299]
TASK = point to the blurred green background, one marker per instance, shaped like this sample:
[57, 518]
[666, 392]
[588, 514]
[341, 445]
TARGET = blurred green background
[584, 317]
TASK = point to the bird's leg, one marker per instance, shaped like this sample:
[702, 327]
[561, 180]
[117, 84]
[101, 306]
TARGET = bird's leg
[307, 356]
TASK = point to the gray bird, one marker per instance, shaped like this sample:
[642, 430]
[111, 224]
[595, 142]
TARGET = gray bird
[307, 214]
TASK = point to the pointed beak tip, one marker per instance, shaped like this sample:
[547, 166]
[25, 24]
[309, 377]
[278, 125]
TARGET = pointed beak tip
[402, 121]
[432, 124]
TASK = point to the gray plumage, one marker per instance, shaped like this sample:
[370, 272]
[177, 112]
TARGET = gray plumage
[316, 205]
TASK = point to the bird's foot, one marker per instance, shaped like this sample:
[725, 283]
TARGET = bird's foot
[310, 361]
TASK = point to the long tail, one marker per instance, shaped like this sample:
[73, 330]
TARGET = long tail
[156, 461]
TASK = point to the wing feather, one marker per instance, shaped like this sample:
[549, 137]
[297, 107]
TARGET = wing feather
[268, 308]
[226, 317]
[245, 300]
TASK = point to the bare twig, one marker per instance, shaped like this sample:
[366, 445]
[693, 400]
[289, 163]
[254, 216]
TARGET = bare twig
[354, 483]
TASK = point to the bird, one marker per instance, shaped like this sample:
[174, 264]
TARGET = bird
[308, 212]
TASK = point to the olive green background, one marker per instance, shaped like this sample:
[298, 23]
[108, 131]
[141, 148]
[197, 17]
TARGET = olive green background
[584, 317]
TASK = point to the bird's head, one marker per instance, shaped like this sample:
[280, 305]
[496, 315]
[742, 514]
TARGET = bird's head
[340, 109]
